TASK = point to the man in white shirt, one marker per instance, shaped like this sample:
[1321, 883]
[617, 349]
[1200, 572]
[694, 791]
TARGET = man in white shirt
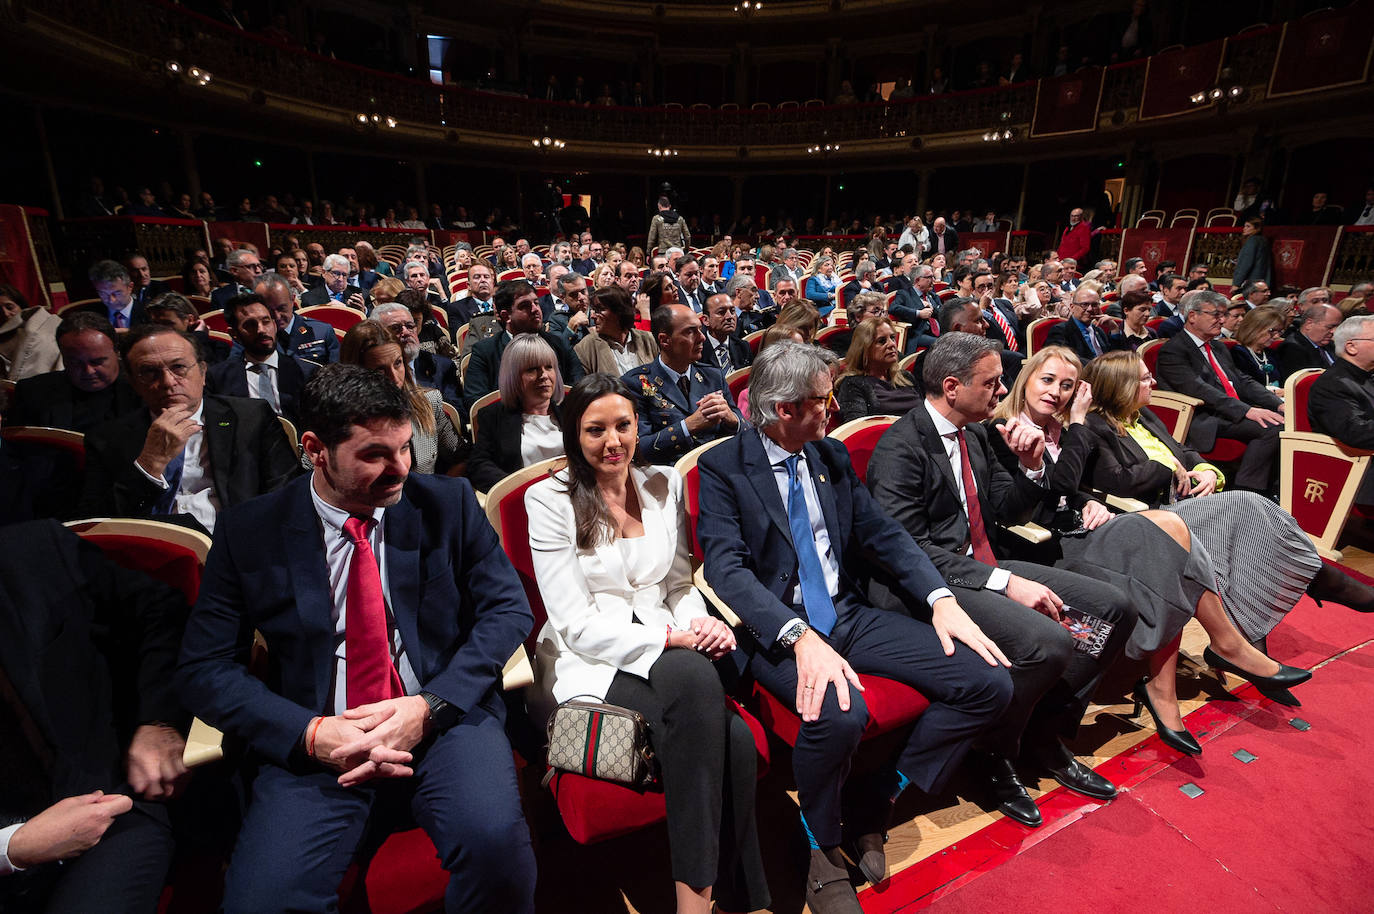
[186, 455]
[258, 369]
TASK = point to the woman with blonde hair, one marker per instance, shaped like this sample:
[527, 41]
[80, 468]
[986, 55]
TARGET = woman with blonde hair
[435, 442]
[636, 256]
[1154, 555]
[803, 316]
[872, 384]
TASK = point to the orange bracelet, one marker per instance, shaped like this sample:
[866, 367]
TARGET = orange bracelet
[310, 741]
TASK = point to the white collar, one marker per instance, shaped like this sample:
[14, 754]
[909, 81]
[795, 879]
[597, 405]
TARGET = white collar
[943, 427]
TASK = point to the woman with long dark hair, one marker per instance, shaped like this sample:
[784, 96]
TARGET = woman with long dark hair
[625, 625]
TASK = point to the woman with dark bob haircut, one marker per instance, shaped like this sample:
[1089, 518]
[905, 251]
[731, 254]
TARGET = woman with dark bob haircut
[626, 626]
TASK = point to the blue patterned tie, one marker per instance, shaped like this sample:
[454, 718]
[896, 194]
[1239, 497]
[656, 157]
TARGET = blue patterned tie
[820, 611]
[166, 502]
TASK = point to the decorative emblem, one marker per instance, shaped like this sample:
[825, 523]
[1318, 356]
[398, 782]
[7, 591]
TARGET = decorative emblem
[1070, 92]
[1289, 254]
[650, 390]
[1153, 251]
[1315, 490]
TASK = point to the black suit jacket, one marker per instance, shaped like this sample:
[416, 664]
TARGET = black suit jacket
[750, 560]
[319, 295]
[229, 379]
[439, 373]
[138, 315]
[1068, 334]
[1297, 352]
[89, 648]
[486, 364]
[496, 447]
[50, 400]
[740, 353]
[1183, 368]
[1340, 403]
[249, 455]
[1117, 465]
[913, 481]
[151, 291]
[951, 241]
[220, 297]
[462, 310]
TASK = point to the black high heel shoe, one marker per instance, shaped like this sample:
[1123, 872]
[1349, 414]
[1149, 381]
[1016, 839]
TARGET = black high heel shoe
[1284, 679]
[1181, 740]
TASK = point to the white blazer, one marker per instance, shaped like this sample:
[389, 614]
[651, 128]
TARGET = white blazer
[598, 622]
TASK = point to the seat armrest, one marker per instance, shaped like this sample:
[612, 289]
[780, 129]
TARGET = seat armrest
[728, 614]
[1031, 533]
[204, 744]
[1123, 503]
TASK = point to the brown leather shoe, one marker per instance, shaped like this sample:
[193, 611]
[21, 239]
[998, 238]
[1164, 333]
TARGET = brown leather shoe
[866, 833]
[828, 890]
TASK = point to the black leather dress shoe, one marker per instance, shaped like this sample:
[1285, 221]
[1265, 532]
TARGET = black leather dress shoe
[1010, 794]
[1079, 778]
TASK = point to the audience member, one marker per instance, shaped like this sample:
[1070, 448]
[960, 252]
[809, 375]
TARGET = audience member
[257, 368]
[337, 289]
[1309, 344]
[872, 384]
[88, 391]
[186, 455]
[522, 427]
[1257, 331]
[517, 311]
[435, 444]
[807, 629]
[429, 370]
[1341, 401]
[420, 706]
[28, 337]
[244, 269]
[297, 336]
[115, 290]
[1233, 404]
[604, 638]
[934, 471]
[144, 287]
[569, 318]
[1253, 262]
[724, 348]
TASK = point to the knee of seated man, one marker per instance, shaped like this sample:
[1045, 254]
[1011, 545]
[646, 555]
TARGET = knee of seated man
[845, 727]
[489, 848]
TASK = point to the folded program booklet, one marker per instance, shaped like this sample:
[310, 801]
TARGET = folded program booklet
[1089, 632]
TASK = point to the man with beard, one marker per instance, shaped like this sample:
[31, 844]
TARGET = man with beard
[429, 369]
[257, 368]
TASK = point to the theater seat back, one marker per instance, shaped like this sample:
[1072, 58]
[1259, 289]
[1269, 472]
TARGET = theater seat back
[860, 437]
[506, 510]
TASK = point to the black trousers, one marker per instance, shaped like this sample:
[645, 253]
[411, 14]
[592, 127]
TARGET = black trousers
[709, 767]
[1052, 682]
[966, 696]
[1256, 470]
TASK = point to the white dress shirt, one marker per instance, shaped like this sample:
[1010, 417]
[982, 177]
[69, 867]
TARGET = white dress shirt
[948, 433]
[338, 553]
[250, 372]
[6, 833]
[196, 493]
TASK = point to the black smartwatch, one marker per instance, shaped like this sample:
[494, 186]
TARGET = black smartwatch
[441, 713]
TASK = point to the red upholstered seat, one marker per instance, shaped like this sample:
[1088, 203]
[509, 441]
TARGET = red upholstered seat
[860, 437]
[1296, 412]
[170, 563]
[336, 316]
[1040, 331]
[403, 877]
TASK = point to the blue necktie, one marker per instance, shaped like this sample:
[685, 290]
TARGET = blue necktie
[820, 611]
[166, 502]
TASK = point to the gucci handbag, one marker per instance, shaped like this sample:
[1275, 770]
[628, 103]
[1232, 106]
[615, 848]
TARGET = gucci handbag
[603, 741]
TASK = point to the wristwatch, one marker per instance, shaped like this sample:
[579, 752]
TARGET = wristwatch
[443, 714]
[793, 634]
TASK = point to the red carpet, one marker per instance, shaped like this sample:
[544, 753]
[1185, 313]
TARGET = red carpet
[1290, 831]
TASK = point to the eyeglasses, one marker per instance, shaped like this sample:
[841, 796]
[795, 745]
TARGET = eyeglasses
[149, 374]
[404, 325]
[340, 274]
[1212, 313]
[827, 398]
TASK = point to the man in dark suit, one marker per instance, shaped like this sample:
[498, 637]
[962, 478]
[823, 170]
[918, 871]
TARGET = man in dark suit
[943, 239]
[429, 369]
[300, 337]
[1171, 291]
[1080, 332]
[918, 306]
[481, 286]
[116, 292]
[682, 404]
[724, 349]
[901, 279]
[88, 391]
[337, 290]
[1340, 403]
[689, 290]
[185, 453]
[517, 309]
[1233, 404]
[790, 537]
[90, 728]
[569, 317]
[1309, 346]
[385, 698]
[145, 288]
[258, 370]
[244, 269]
[745, 296]
[935, 473]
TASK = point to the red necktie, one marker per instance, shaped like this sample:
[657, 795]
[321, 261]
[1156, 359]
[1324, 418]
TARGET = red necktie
[1221, 375]
[371, 674]
[1005, 327]
[978, 534]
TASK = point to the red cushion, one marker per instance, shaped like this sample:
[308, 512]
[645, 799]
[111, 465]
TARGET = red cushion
[403, 877]
[890, 705]
[1226, 450]
[171, 564]
[1042, 332]
[515, 538]
[860, 446]
[1298, 409]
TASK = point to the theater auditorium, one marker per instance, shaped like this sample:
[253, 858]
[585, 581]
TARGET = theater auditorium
[436, 439]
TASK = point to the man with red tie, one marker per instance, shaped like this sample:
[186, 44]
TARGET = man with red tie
[1233, 404]
[388, 608]
[935, 473]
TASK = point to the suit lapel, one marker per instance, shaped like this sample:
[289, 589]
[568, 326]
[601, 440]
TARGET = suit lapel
[303, 545]
[935, 447]
[823, 478]
[220, 433]
[403, 576]
[759, 472]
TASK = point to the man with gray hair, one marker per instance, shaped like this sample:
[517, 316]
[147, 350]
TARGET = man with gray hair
[936, 473]
[416, 276]
[1309, 344]
[533, 267]
[790, 268]
[1233, 404]
[244, 268]
[1316, 295]
[784, 520]
[337, 290]
[296, 336]
[429, 369]
[115, 289]
[745, 294]
[569, 318]
[1340, 402]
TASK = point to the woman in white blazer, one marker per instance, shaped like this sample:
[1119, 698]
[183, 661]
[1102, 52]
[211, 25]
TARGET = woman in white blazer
[625, 625]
